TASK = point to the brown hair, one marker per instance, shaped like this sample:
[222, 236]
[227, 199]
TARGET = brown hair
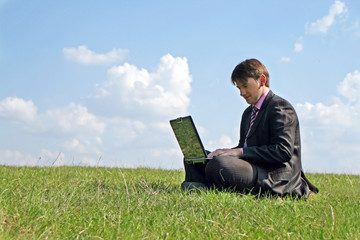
[250, 68]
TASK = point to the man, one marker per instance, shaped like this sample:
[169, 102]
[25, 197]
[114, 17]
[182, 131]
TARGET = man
[268, 156]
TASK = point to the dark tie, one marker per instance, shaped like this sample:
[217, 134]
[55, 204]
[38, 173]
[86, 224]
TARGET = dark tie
[252, 119]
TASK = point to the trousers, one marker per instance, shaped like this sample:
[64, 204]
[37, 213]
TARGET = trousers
[224, 172]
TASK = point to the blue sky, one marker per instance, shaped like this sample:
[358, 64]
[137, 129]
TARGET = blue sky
[94, 83]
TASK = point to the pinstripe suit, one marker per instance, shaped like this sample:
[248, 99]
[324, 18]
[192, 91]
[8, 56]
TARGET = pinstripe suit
[271, 162]
[273, 144]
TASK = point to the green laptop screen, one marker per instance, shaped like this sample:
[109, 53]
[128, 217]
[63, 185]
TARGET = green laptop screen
[188, 138]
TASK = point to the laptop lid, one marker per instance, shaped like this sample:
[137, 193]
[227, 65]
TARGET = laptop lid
[189, 140]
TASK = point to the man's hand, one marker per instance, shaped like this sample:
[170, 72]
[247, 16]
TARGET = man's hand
[235, 152]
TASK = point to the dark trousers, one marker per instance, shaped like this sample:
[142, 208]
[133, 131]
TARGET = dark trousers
[224, 172]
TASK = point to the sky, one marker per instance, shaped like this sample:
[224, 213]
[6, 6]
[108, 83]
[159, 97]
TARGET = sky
[95, 83]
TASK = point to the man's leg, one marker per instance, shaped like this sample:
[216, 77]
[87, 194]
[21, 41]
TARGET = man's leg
[231, 172]
[195, 172]
[194, 176]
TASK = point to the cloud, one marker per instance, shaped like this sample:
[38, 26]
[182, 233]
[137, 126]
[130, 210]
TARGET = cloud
[131, 92]
[124, 123]
[333, 130]
[71, 119]
[17, 158]
[17, 109]
[44, 157]
[322, 25]
[83, 55]
[338, 117]
[78, 146]
[71, 129]
[84, 150]
[223, 142]
[75, 145]
[298, 47]
[136, 105]
[125, 130]
[285, 59]
[350, 87]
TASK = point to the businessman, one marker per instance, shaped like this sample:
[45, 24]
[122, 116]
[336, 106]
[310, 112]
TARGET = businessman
[268, 156]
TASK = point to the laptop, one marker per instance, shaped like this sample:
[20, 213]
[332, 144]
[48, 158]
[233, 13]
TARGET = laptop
[189, 140]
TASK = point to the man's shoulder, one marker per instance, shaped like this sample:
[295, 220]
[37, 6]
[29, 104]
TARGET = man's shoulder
[275, 102]
[276, 99]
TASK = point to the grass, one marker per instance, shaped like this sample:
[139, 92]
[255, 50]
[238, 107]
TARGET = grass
[111, 203]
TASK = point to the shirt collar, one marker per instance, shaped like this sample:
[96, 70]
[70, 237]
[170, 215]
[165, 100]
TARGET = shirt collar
[261, 100]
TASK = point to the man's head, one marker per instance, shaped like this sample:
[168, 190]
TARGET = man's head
[252, 79]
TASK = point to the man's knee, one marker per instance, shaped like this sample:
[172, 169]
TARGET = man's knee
[214, 165]
[227, 171]
[216, 171]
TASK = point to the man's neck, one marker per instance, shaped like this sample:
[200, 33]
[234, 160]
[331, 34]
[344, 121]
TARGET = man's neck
[262, 98]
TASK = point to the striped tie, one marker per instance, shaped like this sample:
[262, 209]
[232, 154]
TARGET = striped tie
[252, 119]
[253, 115]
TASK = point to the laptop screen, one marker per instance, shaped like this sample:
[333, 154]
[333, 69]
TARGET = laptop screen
[188, 139]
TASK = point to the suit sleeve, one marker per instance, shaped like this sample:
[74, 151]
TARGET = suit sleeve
[276, 139]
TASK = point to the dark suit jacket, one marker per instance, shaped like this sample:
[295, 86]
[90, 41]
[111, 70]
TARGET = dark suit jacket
[274, 146]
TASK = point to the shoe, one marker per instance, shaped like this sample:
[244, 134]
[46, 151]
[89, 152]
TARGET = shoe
[193, 186]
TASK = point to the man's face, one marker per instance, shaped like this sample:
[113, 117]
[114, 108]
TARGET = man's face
[250, 91]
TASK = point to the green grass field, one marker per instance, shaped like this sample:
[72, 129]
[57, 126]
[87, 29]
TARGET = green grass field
[111, 203]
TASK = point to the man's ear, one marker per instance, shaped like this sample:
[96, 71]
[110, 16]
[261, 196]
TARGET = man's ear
[262, 80]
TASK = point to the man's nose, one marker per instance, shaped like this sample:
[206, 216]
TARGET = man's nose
[242, 92]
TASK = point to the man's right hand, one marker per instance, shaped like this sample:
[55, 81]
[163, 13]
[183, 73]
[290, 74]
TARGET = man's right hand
[235, 152]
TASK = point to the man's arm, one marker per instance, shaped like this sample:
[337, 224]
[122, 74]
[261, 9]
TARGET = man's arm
[235, 152]
[283, 136]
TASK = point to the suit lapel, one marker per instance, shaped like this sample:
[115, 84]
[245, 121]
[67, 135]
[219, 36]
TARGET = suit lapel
[260, 114]
[246, 121]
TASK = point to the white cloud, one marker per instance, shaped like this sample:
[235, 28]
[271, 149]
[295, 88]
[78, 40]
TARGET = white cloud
[129, 126]
[74, 145]
[350, 87]
[223, 142]
[337, 117]
[44, 157]
[136, 105]
[131, 92]
[333, 130]
[79, 154]
[73, 118]
[125, 130]
[84, 150]
[322, 25]
[57, 125]
[17, 109]
[170, 158]
[83, 55]
[88, 161]
[161, 126]
[285, 59]
[8, 157]
[53, 158]
[298, 47]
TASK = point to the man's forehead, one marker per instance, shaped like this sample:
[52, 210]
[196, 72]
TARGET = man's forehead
[243, 82]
